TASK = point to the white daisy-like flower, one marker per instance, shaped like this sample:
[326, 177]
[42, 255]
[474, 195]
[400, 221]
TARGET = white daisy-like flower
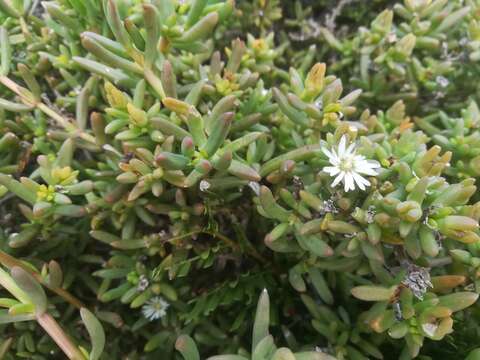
[155, 308]
[348, 167]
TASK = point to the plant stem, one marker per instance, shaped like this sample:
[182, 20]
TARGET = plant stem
[68, 126]
[48, 323]
[9, 262]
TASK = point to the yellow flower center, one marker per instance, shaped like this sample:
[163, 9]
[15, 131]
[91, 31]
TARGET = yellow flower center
[346, 164]
[259, 44]
[63, 175]
[45, 193]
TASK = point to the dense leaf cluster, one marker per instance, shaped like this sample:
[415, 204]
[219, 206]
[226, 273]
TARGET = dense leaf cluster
[166, 163]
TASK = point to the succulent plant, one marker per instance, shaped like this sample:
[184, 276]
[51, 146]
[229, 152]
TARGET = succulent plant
[163, 162]
[263, 346]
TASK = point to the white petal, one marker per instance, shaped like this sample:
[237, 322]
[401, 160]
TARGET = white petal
[332, 156]
[359, 159]
[338, 179]
[332, 170]
[351, 149]
[369, 163]
[335, 160]
[364, 167]
[341, 146]
[349, 184]
[360, 185]
[368, 172]
[327, 152]
[361, 181]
